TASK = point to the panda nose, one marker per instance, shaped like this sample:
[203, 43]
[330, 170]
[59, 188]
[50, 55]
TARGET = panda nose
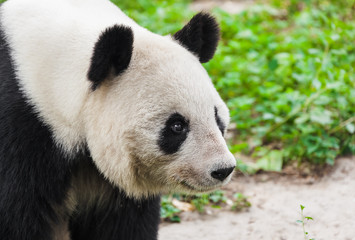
[222, 173]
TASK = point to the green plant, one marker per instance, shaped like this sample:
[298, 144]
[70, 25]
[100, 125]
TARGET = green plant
[302, 222]
[240, 202]
[214, 199]
[167, 209]
[289, 77]
[200, 201]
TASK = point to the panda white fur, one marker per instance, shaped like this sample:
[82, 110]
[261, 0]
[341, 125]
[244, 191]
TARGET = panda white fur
[99, 116]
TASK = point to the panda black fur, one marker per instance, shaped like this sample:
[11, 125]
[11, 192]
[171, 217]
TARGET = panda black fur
[98, 117]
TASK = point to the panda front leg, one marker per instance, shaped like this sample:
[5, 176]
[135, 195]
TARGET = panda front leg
[32, 197]
[120, 218]
[34, 174]
[104, 212]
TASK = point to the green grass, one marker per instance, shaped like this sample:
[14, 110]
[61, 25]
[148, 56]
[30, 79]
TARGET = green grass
[200, 202]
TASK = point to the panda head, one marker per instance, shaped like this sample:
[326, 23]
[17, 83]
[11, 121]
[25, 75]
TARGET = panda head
[153, 121]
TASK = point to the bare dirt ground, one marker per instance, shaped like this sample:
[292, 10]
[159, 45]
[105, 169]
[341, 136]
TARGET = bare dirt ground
[276, 200]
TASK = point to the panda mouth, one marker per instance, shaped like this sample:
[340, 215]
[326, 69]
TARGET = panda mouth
[198, 188]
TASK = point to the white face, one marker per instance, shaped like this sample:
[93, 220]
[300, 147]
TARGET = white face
[157, 127]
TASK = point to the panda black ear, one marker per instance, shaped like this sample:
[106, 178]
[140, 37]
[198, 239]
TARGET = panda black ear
[112, 54]
[200, 36]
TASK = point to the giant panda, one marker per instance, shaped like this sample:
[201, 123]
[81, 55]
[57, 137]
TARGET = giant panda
[99, 116]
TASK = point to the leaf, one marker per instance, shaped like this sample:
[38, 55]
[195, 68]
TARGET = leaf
[238, 195]
[302, 119]
[323, 100]
[268, 116]
[312, 148]
[215, 198]
[309, 218]
[316, 83]
[239, 147]
[350, 127]
[175, 218]
[302, 207]
[273, 64]
[321, 117]
[299, 221]
[334, 85]
[246, 34]
[272, 161]
[330, 161]
[314, 51]
[335, 37]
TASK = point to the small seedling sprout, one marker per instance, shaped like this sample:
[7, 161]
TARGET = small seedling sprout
[302, 221]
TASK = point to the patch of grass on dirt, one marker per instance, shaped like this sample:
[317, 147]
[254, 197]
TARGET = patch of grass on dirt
[173, 205]
[168, 211]
[240, 202]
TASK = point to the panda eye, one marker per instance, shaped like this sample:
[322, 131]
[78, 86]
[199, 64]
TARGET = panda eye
[177, 127]
[174, 133]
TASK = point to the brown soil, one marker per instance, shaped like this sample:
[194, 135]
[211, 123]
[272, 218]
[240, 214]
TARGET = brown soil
[276, 199]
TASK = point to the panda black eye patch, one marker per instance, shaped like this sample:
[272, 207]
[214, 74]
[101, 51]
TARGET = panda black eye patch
[219, 122]
[174, 133]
